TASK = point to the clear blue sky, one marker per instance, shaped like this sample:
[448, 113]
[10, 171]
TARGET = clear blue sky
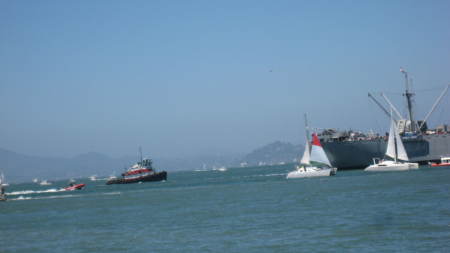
[184, 78]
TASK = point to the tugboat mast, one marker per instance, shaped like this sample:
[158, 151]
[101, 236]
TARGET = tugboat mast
[140, 156]
[408, 96]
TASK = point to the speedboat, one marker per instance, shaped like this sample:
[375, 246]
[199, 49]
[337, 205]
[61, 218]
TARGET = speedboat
[73, 187]
[445, 161]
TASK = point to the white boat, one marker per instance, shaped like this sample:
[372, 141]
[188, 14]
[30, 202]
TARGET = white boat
[3, 181]
[222, 169]
[396, 151]
[93, 178]
[314, 162]
[2, 187]
[45, 182]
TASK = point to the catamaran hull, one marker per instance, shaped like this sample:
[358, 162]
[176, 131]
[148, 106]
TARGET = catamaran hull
[393, 167]
[159, 176]
[303, 174]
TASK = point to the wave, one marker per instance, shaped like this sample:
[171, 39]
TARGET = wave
[111, 193]
[201, 170]
[266, 175]
[21, 197]
[46, 197]
[25, 192]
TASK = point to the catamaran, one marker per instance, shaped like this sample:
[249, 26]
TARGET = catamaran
[396, 151]
[314, 162]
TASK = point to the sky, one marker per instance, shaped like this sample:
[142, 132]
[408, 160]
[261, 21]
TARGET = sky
[188, 78]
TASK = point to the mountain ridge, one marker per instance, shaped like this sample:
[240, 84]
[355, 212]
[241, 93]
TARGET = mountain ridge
[19, 167]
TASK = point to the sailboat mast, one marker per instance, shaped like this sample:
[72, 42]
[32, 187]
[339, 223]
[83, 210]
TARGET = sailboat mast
[395, 150]
[306, 127]
[408, 96]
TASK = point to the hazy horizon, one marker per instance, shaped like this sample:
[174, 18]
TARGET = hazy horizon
[186, 79]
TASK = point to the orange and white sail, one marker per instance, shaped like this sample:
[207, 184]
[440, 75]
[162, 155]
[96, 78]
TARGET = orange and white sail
[317, 153]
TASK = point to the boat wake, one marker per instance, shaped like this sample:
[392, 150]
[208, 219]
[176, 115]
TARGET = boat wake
[111, 193]
[25, 192]
[21, 197]
[46, 197]
[202, 170]
[266, 175]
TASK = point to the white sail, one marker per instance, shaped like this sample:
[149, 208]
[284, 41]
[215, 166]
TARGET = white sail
[390, 150]
[317, 153]
[401, 152]
[394, 139]
[306, 156]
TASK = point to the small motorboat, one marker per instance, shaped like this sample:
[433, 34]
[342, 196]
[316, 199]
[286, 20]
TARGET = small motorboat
[445, 161]
[45, 182]
[2, 188]
[73, 186]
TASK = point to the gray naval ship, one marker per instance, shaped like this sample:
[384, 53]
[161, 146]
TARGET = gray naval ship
[356, 150]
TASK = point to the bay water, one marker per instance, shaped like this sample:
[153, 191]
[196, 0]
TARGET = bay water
[252, 209]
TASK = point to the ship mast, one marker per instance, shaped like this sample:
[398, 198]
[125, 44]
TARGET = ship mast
[306, 127]
[408, 96]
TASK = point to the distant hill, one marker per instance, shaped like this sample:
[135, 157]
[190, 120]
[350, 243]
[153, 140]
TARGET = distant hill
[21, 168]
[274, 153]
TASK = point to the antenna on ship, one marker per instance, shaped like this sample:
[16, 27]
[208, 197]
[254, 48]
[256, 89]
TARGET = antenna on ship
[408, 96]
[140, 155]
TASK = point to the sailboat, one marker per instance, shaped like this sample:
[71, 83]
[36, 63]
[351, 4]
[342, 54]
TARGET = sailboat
[314, 162]
[396, 151]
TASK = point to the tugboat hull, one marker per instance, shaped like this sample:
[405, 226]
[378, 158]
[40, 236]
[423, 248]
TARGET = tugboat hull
[159, 176]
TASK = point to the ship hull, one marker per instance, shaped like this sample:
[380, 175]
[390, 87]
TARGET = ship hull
[359, 154]
[159, 176]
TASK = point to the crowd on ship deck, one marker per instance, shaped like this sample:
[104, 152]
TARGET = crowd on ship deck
[333, 135]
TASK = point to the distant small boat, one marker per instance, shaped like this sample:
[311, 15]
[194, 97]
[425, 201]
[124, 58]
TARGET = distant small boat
[35, 180]
[45, 182]
[222, 169]
[2, 188]
[93, 178]
[73, 187]
[445, 161]
[396, 151]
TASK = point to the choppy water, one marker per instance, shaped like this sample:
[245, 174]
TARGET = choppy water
[239, 210]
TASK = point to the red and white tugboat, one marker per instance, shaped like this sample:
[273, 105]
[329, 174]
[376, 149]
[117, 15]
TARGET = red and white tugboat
[140, 172]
